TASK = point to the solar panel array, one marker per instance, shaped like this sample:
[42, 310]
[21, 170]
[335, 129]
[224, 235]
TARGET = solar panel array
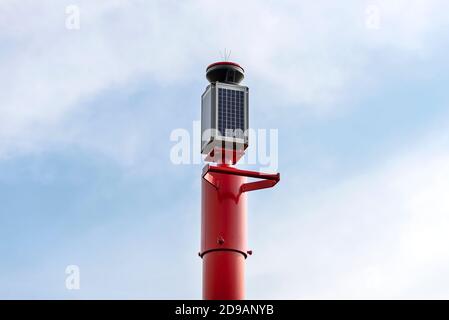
[231, 112]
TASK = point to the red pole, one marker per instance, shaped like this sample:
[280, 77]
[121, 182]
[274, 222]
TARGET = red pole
[224, 229]
[223, 244]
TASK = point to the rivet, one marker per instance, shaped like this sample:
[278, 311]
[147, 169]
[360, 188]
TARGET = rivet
[220, 240]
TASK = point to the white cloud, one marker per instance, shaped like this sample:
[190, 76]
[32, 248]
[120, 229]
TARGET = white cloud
[382, 234]
[299, 53]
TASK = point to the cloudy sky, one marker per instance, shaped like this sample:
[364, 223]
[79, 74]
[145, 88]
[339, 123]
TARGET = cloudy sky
[357, 89]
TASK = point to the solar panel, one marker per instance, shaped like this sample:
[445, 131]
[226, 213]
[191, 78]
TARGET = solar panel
[231, 112]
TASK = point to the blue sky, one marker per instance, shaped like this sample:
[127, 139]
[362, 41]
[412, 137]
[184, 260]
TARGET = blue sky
[85, 172]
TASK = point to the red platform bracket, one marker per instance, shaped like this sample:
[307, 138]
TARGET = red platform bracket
[268, 180]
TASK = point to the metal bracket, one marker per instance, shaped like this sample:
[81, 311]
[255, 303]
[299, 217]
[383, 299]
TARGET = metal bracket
[268, 180]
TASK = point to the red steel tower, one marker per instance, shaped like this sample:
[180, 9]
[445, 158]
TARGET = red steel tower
[224, 139]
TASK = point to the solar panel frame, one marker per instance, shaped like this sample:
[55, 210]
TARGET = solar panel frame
[224, 106]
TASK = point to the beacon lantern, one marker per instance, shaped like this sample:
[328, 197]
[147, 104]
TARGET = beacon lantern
[224, 114]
